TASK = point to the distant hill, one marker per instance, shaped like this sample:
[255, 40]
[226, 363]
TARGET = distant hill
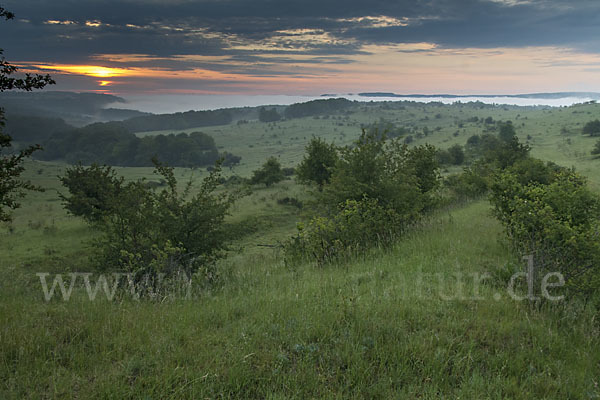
[557, 95]
[77, 109]
[182, 120]
[317, 107]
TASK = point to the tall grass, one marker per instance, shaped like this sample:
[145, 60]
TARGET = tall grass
[361, 330]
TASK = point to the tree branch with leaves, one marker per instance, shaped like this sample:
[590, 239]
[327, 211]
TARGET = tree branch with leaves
[12, 186]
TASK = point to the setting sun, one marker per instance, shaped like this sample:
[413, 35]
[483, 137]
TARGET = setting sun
[89, 70]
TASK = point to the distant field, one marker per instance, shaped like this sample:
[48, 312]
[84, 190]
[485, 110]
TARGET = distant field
[555, 132]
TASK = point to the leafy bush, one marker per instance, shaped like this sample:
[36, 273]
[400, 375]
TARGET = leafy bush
[457, 154]
[473, 140]
[397, 177]
[147, 232]
[493, 155]
[230, 160]
[556, 222]
[388, 128]
[93, 191]
[531, 170]
[468, 185]
[356, 227]
[376, 190]
[501, 153]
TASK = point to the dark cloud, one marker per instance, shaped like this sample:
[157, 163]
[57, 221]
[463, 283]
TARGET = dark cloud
[252, 31]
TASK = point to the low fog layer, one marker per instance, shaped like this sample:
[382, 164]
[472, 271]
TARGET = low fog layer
[161, 104]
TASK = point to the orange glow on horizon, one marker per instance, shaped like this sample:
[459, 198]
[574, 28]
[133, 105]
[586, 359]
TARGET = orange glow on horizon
[89, 70]
[403, 68]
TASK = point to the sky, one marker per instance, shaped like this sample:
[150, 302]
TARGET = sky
[307, 47]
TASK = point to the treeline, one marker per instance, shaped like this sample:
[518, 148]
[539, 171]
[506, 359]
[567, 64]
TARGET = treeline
[113, 144]
[31, 129]
[271, 115]
[76, 108]
[182, 120]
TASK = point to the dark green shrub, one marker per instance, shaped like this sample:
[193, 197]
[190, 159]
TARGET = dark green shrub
[592, 128]
[556, 222]
[443, 157]
[230, 160]
[596, 149]
[397, 177]
[376, 190]
[467, 185]
[148, 232]
[93, 191]
[288, 171]
[356, 227]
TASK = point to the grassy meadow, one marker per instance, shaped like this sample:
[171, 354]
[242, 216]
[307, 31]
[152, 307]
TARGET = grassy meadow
[410, 321]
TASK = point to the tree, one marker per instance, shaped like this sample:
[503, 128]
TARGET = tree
[318, 162]
[12, 187]
[457, 154]
[507, 131]
[269, 174]
[592, 128]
